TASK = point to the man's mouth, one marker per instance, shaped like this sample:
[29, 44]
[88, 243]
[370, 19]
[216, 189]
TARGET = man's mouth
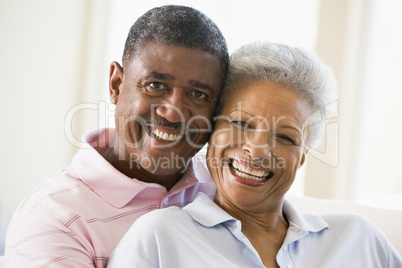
[165, 136]
[246, 172]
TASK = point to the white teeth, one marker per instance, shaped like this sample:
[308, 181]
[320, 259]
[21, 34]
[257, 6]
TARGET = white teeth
[252, 174]
[249, 170]
[238, 173]
[165, 136]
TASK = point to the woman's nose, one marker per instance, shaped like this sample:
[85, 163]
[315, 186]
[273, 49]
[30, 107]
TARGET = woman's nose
[256, 144]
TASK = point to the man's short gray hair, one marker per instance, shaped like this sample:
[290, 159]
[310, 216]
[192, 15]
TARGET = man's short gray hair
[175, 25]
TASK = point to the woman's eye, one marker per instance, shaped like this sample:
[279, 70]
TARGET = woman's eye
[199, 94]
[241, 123]
[286, 139]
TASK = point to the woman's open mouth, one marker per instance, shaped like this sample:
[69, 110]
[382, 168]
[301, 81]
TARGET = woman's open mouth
[250, 172]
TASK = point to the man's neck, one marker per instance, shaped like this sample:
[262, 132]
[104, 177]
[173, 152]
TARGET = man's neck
[136, 171]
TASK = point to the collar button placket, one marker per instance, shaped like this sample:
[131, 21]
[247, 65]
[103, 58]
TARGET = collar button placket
[283, 258]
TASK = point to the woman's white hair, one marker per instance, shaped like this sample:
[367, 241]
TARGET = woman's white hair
[292, 67]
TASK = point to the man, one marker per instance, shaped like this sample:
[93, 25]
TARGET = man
[174, 64]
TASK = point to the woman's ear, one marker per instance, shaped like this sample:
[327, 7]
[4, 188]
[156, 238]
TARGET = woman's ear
[303, 158]
[116, 79]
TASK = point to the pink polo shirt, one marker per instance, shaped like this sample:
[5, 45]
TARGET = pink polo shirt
[79, 214]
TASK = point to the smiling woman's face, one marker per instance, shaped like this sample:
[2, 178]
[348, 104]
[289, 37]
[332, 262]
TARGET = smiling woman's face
[258, 145]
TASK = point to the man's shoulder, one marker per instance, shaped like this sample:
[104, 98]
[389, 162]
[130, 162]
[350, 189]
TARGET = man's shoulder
[56, 189]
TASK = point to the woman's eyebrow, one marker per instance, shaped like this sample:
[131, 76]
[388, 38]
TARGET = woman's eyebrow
[289, 127]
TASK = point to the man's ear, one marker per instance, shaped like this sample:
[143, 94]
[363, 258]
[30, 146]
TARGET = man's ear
[116, 79]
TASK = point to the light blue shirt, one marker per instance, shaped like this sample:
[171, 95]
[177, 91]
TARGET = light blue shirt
[202, 234]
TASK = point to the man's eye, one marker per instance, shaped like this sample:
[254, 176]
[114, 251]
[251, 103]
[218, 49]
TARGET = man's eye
[156, 85]
[199, 94]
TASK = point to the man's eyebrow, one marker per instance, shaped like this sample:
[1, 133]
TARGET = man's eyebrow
[161, 76]
[200, 85]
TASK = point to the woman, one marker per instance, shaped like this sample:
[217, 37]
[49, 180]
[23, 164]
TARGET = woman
[266, 125]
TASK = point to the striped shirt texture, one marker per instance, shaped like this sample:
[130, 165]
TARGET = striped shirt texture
[76, 217]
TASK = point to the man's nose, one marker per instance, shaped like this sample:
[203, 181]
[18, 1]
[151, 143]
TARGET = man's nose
[174, 108]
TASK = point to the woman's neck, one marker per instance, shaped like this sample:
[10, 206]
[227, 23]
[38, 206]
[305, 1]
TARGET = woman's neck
[266, 230]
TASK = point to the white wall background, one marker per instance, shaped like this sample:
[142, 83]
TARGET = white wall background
[52, 57]
[55, 56]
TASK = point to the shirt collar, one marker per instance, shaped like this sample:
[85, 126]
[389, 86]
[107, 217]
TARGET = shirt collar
[301, 225]
[204, 211]
[109, 183]
[207, 213]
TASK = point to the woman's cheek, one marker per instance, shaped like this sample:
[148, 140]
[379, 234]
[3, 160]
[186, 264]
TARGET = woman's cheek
[221, 138]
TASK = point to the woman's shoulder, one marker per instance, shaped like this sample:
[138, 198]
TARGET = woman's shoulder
[355, 238]
[346, 219]
[343, 221]
[161, 217]
[350, 226]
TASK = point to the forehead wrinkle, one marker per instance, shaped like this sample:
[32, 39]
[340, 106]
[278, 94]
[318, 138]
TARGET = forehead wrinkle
[290, 127]
[292, 119]
[274, 99]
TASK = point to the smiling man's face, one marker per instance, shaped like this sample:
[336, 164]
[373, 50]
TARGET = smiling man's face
[165, 98]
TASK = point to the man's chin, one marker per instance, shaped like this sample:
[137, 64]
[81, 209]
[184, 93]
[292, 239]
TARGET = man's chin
[162, 161]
